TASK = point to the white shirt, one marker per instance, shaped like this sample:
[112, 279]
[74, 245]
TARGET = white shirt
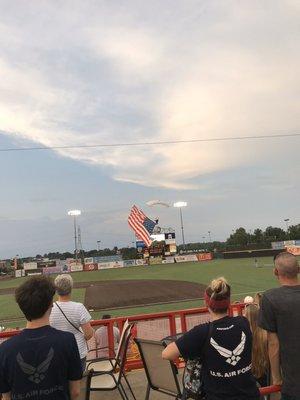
[78, 315]
[101, 337]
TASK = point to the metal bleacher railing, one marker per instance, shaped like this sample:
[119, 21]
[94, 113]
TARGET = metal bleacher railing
[153, 327]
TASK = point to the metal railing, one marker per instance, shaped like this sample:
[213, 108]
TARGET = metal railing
[153, 326]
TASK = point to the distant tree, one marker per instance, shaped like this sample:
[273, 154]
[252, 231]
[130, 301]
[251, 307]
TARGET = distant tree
[128, 253]
[239, 237]
[258, 236]
[274, 234]
[294, 232]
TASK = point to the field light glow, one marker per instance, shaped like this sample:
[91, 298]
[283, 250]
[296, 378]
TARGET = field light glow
[74, 212]
[179, 204]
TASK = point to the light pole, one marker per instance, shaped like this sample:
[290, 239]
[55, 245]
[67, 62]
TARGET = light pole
[180, 204]
[209, 232]
[98, 245]
[286, 220]
[287, 223]
[74, 214]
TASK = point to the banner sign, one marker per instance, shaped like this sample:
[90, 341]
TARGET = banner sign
[277, 245]
[18, 273]
[89, 260]
[76, 267]
[289, 243]
[204, 256]
[186, 258]
[168, 260]
[129, 263]
[52, 270]
[155, 260]
[140, 262]
[117, 264]
[293, 250]
[104, 265]
[30, 265]
[90, 267]
[104, 259]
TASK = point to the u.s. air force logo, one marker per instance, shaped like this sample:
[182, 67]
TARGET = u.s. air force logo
[36, 374]
[232, 356]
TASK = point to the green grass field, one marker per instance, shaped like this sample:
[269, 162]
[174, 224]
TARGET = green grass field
[241, 274]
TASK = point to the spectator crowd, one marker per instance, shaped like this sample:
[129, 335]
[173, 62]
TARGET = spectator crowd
[239, 354]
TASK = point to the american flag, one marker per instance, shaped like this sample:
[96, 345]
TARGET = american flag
[141, 224]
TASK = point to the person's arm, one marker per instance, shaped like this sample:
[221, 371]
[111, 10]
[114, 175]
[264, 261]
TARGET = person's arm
[74, 388]
[88, 331]
[6, 396]
[273, 350]
[85, 323]
[189, 345]
[171, 352]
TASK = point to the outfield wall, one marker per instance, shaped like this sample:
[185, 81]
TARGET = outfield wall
[251, 253]
[91, 264]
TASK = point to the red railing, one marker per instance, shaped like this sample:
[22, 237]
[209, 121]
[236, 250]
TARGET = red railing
[178, 321]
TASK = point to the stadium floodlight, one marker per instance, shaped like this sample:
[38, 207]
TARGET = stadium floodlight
[180, 204]
[74, 214]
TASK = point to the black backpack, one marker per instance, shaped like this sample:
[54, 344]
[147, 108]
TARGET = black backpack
[193, 374]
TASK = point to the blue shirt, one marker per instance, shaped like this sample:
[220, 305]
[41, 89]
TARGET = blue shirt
[38, 364]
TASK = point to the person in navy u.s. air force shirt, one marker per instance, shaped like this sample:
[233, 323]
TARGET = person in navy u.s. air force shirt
[40, 362]
[227, 354]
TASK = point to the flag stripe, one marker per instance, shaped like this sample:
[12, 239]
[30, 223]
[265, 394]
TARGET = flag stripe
[135, 220]
[140, 230]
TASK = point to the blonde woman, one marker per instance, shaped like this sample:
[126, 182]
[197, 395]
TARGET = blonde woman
[70, 316]
[260, 359]
[225, 346]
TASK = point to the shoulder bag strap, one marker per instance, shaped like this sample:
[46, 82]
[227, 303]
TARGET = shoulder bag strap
[74, 326]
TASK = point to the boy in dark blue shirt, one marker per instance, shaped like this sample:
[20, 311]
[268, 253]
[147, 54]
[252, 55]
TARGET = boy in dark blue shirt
[40, 362]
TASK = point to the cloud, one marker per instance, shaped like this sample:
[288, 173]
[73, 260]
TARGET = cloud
[107, 74]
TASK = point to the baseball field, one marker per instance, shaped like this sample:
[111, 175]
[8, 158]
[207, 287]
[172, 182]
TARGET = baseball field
[245, 279]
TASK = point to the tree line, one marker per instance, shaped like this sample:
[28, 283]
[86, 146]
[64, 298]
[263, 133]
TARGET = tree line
[239, 239]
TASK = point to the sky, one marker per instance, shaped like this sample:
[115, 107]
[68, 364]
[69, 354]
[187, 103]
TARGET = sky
[107, 72]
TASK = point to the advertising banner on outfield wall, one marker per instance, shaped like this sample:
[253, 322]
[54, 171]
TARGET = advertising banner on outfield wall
[140, 262]
[90, 267]
[30, 265]
[293, 250]
[117, 264]
[186, 258]
[76, 267]
[103, 265]
[54, 270]
[129, 263]
[289, 243]
[168, 260]
[18, 273]
[204, 256]
[155, 260]
[277, 245]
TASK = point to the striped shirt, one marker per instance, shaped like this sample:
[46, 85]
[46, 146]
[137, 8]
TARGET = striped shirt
[78, 315]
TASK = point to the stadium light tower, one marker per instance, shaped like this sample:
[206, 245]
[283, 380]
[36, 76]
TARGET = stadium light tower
[286, 220]
[180, 204]
[74, 214]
